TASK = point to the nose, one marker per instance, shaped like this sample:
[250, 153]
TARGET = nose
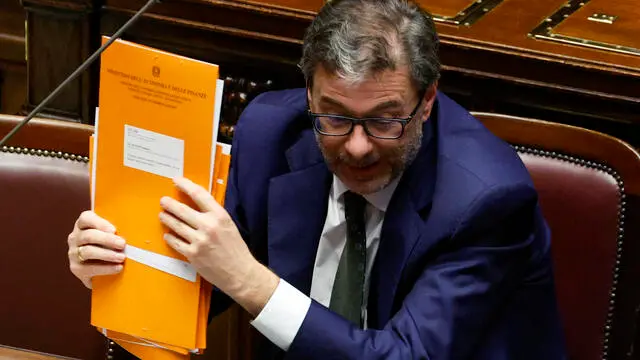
[358, 145]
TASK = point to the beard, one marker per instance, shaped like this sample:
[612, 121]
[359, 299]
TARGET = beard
[396, 159]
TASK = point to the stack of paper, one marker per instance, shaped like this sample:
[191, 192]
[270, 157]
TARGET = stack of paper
[158, 119]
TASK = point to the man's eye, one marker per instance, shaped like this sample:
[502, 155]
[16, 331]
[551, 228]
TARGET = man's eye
[335, 120]
[382, 125]
[331, 122]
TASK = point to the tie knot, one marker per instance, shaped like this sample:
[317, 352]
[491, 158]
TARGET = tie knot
[354, 203]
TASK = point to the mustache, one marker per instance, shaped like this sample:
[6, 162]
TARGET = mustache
[365, 161]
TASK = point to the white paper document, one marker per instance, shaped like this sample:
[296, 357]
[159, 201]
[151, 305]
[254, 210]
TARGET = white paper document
[153, 152]
[216, 126]
[167, 264]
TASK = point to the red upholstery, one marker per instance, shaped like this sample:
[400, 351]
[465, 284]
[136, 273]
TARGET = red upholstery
[44, 307]
[589, 183]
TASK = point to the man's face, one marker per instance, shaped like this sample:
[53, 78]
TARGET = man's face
[366, 164]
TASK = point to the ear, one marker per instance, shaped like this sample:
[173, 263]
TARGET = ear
[428, 100]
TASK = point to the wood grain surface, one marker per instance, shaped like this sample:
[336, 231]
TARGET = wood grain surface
[624, 31]
[506, 28]
[8, 353]
[448, 8]
[305, 5]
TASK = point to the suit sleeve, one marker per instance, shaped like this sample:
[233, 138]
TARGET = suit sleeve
[456, 294]
[219, 300]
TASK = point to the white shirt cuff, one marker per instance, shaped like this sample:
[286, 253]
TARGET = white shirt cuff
[283, 315]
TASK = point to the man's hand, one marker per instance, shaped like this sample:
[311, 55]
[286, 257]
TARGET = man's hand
[94, 249]
[211, 242]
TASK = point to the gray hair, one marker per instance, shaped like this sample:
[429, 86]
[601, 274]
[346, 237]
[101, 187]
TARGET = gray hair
[356, 39]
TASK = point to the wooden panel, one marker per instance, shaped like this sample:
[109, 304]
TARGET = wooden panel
[505, 30]
[7, 353]
[11, 6]
[13, 72]
[13, 89]
[59, 40]
[306, 5]
[448, 8]
[499, 50]
[48, 57]
[492, 64]
[624, 31]
[11, 31]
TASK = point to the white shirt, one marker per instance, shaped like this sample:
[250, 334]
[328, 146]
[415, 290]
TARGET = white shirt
[287, 308]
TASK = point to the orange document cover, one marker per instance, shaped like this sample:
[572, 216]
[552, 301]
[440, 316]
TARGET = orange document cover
[156, 121]
[140, 347]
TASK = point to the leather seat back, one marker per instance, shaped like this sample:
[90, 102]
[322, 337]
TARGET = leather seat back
[588, 184]
[44, 186]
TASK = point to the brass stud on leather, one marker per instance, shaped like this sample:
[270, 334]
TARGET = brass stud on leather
[620, 238]
[40, 152]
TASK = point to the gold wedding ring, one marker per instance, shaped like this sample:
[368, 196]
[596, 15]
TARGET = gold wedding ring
[79, 254]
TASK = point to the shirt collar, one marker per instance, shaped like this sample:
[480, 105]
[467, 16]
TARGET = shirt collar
[380, 200]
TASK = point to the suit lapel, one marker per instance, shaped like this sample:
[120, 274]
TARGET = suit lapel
[297, 211]
[402, 228]
[399, 233]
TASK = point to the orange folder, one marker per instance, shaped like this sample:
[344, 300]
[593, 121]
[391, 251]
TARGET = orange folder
[157, 119]
[91, 147]
[142, 348]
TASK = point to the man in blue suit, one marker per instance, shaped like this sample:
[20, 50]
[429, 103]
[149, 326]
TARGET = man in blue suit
[368, 216]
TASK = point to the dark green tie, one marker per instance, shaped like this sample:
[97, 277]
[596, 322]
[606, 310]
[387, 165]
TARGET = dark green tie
[348, 288]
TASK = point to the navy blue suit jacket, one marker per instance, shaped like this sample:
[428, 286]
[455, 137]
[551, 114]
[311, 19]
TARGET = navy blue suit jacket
[463, 270]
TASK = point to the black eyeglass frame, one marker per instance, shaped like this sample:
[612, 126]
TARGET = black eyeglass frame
[363, 121]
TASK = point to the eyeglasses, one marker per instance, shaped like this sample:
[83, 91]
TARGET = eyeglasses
[381, 128]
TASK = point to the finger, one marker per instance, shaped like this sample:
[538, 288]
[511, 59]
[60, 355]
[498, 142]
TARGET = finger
[88, 283]
[90, 220]
[177, 244]
[197, 193]
[100, 238]
[97, 253]
[186, 232]
[181, 211]
[85, 271]
[102, 269]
